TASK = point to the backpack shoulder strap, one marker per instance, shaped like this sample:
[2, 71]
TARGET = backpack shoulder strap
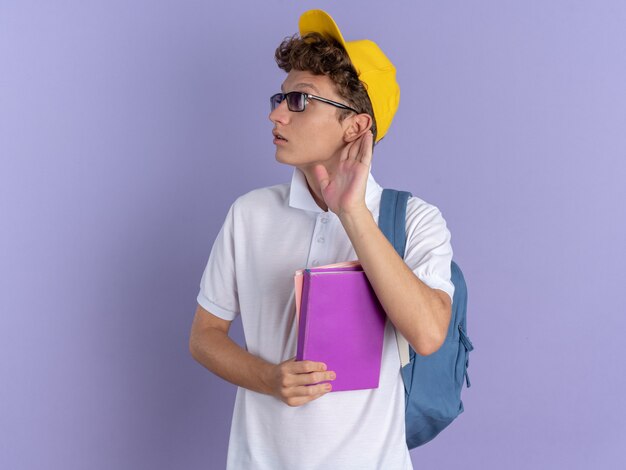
[392, 222]
[392, 217]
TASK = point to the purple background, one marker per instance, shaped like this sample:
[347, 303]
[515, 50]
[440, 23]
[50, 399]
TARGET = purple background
[128, 128]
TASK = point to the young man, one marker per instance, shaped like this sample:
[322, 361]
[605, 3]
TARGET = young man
[338, 99]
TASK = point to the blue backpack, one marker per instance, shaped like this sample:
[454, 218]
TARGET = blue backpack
[432, 383]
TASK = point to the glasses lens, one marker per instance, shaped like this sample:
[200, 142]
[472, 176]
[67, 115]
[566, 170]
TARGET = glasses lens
[275, 100]
[295, 101]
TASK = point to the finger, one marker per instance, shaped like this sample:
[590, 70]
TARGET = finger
[299, 401]
[368, 143]
[309, 390]
[313, 397]
[321, 175]
[355, 151]
[314, 378]
[303, 367]
[345, 153]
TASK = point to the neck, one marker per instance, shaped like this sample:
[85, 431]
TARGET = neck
[315, 190]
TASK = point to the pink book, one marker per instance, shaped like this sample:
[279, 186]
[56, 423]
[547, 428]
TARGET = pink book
[341, 324]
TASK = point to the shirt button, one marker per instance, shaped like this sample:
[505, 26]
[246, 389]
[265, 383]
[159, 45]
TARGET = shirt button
[320, 239]
[324, 221]
[315, 262]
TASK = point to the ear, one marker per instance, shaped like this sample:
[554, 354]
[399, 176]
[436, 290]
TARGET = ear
[356, 126]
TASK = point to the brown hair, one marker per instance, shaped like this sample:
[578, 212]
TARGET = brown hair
[323, 55]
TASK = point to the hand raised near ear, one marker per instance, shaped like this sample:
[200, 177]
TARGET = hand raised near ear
[345, 190]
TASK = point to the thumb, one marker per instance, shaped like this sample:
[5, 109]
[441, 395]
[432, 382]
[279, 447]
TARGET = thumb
[321, 175]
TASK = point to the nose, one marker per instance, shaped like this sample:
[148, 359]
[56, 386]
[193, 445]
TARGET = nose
[280, 113]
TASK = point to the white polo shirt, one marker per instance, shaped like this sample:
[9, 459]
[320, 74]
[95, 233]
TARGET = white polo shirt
[268, 234]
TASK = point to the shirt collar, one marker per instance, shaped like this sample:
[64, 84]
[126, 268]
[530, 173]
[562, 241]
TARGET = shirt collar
[300, 196]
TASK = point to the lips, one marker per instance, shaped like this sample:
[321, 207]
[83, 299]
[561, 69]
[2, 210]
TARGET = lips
[277, 136]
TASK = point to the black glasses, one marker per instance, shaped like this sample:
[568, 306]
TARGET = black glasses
[296, 101]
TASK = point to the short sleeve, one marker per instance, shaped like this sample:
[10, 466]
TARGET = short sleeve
[428, 250]
[218, 286]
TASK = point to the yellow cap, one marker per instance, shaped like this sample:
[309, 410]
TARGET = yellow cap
[371, 64]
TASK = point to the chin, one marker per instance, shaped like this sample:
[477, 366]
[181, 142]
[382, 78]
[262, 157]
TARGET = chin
[281, 157]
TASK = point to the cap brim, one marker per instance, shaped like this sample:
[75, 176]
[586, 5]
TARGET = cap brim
[321, 22]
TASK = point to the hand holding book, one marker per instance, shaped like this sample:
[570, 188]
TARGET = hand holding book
[341, 323]
[298, 382]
